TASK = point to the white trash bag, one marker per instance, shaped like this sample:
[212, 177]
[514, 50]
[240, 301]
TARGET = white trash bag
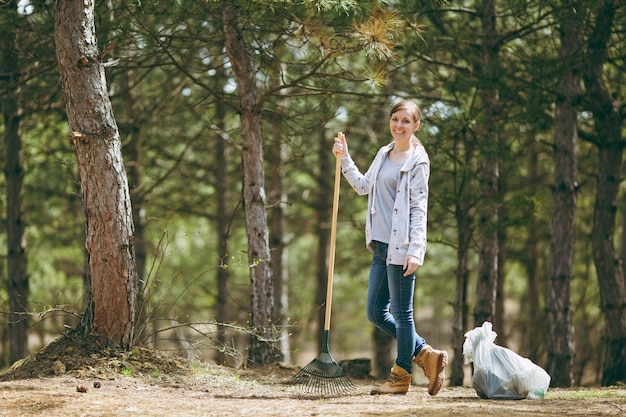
[500, 373]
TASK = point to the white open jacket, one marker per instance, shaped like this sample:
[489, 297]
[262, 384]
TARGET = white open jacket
[408, 223]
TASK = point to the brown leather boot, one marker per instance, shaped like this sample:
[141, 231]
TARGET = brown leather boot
[398, 382]
[433, 362]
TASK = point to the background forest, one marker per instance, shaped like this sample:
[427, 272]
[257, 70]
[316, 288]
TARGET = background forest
[523, 120]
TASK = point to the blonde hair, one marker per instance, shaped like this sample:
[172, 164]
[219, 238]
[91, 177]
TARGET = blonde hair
[415, 112]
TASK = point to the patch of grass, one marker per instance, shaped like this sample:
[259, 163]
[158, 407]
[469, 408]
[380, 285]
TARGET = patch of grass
[586, 393]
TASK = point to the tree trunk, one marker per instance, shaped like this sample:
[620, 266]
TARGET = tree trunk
[623, 235]
[499, 320]
[464, 215]
[323, 209]
[460, 319]
[17, 284]
[530, 301]
[4, 346]
[384, 358]
[108, 214]
[279, 240]
[488, 175]
[608, 125]
[262, 349]
[222, 225]
[561, 264]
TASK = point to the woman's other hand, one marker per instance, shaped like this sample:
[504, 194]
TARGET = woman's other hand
[410, 265]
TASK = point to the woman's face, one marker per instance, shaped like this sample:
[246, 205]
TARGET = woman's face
[402, 125]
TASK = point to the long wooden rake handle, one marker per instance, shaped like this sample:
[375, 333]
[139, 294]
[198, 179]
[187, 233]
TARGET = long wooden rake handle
[333, 239]
[323, 376]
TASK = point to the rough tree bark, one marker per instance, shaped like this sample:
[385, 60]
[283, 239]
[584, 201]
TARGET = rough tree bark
[17, 283]
[607, 115]
[263, 349]
[560, 335]
[110, 313]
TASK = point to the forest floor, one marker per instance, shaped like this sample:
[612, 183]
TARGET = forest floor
[74, 376]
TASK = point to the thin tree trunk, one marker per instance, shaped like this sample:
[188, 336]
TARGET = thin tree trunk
[279, 240]
[222, 224]
[464, 215]
[488, 175]
[608, 125]
[530, 303]
[622, 256]
[499, 319]
[323, 208]
[17, 284]
[4, 344]
[383, 353]
[561, 265]
[460, 319]
[263, 350]
[279, 237]
[108, 214]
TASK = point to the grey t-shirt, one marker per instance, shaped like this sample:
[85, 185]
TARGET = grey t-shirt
[385, 196]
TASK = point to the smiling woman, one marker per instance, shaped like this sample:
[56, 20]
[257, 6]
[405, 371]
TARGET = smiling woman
[396, 184]
[404, 121]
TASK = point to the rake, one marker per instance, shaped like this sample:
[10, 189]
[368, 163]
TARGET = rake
[323, 376]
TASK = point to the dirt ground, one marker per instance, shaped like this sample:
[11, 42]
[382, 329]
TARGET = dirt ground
[75, 376]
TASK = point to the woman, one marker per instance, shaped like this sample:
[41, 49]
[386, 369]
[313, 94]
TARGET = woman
[397, 187]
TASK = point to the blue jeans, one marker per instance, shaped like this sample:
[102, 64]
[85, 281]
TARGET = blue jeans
[390, 305]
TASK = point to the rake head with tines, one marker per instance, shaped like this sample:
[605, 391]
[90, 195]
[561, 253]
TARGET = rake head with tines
[323, 376]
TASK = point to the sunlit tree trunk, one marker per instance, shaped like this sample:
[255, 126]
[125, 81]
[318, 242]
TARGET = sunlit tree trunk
[263, 349]
[109, 240]
[607, 113]
[488, 174]
[561, 264]
[17, 283]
